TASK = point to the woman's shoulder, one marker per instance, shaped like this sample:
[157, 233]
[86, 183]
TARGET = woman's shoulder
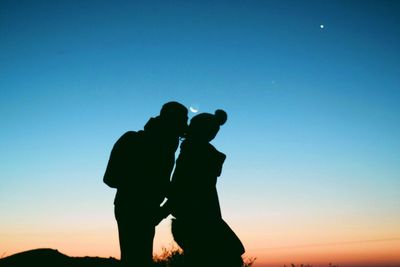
[216, 153]
[201, 148]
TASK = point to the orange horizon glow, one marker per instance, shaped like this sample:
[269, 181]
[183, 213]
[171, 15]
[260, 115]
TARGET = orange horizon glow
[349, 255]
[104, 243]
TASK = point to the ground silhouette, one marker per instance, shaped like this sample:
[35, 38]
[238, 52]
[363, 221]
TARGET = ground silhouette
[46, 257]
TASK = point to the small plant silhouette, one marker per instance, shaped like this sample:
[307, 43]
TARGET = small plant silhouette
[249, 261]
[174, 257]
[308, 265]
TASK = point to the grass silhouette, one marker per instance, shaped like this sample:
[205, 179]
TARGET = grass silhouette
[308, 265]
[174, 257]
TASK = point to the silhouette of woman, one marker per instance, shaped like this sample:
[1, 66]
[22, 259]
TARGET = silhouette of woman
[198, 227]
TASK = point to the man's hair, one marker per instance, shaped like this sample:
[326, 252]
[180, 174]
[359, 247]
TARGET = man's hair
[173, 108]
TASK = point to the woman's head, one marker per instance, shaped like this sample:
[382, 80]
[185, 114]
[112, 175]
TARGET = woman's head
[205, 126]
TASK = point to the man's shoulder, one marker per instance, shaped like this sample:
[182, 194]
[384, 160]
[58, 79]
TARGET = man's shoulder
[131, 134]
[130, 137]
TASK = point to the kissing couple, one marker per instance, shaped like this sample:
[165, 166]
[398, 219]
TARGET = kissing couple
[140, 168]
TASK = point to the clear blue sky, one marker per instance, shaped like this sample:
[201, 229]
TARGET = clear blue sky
[314, 114]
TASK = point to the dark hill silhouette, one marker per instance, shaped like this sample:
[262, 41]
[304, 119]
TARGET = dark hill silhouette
[46, 257]
[50, 257]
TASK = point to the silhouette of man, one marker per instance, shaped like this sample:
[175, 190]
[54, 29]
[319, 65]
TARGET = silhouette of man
[143, 168]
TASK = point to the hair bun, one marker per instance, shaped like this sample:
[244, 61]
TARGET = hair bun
[220, 116]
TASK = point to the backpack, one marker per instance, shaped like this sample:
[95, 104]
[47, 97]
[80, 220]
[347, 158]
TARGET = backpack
[122, 156]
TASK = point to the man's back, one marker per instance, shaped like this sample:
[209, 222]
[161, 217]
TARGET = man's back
[146, 162]
[122, 158]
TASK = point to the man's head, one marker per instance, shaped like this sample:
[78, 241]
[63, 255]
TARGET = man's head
[175, 116]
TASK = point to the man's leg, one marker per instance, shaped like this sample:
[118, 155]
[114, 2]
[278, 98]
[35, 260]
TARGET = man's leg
[135, 238]
[144, 244]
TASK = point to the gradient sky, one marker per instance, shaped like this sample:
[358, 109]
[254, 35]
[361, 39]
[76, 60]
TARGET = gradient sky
[312, 141]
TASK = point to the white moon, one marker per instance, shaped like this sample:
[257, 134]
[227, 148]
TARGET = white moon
[322, 26]
[194, 109]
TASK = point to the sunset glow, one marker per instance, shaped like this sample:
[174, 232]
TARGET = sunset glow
[312, 141]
